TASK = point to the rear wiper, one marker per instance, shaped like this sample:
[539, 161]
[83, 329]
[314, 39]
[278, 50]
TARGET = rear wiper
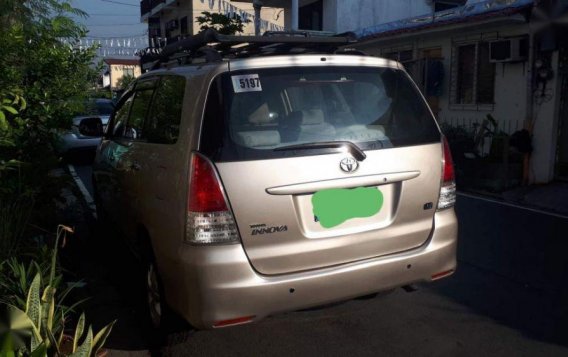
[353, 149]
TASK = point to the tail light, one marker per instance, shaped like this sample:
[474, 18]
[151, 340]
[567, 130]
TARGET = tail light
[209, 219]
[233, 322]
[448, 188]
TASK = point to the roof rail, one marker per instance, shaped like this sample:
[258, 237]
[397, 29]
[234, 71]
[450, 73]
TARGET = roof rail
[202, 43]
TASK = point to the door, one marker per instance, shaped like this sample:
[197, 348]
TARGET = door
[161, 168]
[109, 167]
[131, 163]
[324, 165]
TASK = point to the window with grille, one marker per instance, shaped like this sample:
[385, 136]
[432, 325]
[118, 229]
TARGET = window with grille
[473, 76]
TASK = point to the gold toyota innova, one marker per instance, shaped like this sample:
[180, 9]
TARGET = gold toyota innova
[258, 175]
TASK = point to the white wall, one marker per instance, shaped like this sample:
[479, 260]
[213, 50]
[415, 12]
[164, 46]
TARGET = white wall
[349, 15]
[106, 80]
[117, 72]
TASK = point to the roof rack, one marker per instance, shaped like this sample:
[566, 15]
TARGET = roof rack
[213, 46]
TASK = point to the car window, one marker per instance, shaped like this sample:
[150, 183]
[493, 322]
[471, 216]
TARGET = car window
[140, 105]
[120, 116]
[165, 113]
[259, 111]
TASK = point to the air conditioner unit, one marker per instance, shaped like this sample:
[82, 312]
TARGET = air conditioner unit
[509, 50]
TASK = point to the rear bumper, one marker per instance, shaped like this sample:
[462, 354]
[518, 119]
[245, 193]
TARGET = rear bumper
[217, 283]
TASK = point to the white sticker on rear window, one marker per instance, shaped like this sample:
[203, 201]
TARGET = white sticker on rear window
[246, 83]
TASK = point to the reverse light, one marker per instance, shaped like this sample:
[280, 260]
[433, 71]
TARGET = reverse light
[448, 187]
[209, 219]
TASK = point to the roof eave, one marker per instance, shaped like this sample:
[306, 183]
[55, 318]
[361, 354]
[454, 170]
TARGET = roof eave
[443, 24]
[516, 19]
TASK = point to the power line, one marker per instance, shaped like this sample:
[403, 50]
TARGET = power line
[121, 3]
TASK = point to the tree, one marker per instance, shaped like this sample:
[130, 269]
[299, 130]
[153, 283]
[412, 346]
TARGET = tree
[42, 63]
[224, 24]
[45, 75]
[125, 81]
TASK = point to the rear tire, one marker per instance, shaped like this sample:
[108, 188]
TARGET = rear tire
[157, 309]
[162, 318]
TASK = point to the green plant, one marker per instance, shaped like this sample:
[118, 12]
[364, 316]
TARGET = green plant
[14, 216]
[125, 81]
[45, 75]
[100, 93]
[224, 24]
[10, 103]
[17, 274]
[36, 326]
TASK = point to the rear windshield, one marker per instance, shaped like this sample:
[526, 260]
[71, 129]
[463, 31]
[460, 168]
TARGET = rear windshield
[250, 114]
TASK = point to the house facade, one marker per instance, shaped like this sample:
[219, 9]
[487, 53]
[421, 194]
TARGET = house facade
[489, 57]
[345, 15]
[171, 20]
[116, 68]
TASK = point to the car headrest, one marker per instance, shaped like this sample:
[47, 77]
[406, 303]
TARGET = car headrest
[312, 117]
[260, 116]
[257, 139]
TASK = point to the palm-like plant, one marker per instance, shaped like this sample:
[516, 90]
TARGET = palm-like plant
[39, 328]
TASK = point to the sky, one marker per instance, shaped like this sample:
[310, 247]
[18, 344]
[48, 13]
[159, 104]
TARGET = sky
[114, 25]
[110, 18]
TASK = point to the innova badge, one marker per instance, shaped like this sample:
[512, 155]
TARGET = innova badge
[349, 165]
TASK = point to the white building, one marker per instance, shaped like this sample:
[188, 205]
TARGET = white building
[171, 20]
[116, 68]
[347, 15]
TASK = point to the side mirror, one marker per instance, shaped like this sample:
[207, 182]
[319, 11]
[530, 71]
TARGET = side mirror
[91, 127]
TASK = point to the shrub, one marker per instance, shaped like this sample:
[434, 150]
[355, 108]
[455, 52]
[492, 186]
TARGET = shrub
[34, 312]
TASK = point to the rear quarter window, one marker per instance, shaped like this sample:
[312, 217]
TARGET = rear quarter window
[162, 124]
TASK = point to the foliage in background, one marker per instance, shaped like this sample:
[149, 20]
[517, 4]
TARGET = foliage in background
[100, 93]
[14, 216]
[125, 81]
[34, 322]
[44, 77]
[224, 24]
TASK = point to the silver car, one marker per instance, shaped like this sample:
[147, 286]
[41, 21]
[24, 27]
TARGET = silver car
[254, 185]
[81, 138]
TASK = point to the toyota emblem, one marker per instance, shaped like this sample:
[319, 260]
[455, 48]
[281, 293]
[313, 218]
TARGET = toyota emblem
[349, 165]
